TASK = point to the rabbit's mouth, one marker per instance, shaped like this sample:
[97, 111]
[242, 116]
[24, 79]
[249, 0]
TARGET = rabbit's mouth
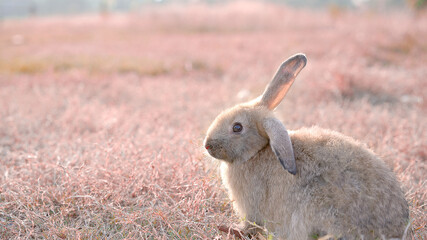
[219, 153]
[215, 149]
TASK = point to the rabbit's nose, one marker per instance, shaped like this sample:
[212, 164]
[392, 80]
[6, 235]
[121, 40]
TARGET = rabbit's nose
[208, 144]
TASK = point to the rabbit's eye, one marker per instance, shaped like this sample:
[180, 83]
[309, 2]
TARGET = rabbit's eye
[237, 127]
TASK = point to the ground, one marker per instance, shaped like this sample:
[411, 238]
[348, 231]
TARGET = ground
[102, 117]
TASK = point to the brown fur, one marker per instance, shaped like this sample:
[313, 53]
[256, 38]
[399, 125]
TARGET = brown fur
[338, 187]
[341, 188]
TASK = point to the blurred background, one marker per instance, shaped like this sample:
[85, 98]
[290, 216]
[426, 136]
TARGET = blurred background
[28, 8]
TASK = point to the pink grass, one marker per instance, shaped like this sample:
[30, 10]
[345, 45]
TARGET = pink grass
[102, 119]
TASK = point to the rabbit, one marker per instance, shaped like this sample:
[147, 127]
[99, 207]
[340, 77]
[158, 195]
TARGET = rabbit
[299, 184]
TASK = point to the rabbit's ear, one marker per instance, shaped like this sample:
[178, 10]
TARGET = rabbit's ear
[282, 81]
[280, 143]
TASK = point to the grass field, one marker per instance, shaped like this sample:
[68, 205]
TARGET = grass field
[102, 117]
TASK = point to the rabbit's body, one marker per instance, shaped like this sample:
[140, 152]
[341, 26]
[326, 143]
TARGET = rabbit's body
[310, 181]
[341, 188]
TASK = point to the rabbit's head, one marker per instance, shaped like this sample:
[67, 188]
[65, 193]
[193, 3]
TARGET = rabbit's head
[239, 133]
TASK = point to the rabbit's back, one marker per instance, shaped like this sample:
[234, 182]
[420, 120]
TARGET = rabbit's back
[341, 188]
[349, 186]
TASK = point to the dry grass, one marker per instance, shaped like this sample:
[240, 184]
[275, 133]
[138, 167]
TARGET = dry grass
[101, 119]
[92, 65]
